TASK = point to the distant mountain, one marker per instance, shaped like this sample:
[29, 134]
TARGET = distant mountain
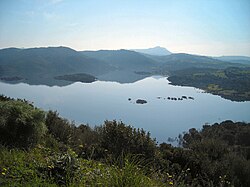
[37, 65]
[123, 59]
[158, 51]
[235, 59]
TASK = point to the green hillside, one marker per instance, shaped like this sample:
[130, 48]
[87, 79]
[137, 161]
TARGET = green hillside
[123, 59]
[231, 83]
[41, 65]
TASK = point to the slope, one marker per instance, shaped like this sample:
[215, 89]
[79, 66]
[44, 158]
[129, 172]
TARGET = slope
[35, 64]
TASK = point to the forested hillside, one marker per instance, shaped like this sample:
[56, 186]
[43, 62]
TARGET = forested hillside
[41, 65]
[40, 148]
[230, 83]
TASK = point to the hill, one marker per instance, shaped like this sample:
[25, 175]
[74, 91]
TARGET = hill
[182, 61]
[126, 63]
[235, 59]
[123, 59]
[41, 65]
[230, 83]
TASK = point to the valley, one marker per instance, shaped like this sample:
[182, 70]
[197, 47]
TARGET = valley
[62, 66]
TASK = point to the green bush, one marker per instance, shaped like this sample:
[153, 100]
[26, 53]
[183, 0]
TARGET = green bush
[117, 139]
[60, 128]
[21, 124]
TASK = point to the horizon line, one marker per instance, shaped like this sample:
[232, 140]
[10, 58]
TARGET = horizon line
[117, 49]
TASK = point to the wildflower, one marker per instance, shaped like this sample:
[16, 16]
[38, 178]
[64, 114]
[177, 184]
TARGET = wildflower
[3, 173]
[50, 167]
[171, 183]
[4, 169]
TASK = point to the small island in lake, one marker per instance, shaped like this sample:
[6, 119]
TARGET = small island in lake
[141, 101]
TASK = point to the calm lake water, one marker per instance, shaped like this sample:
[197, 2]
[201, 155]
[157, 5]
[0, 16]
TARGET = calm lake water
[101, 100]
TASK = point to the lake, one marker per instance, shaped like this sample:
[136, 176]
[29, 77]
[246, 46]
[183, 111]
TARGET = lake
[93, 103]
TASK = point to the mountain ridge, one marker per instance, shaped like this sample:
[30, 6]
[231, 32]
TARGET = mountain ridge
[235, 59]
[41, 65]
[158, 51]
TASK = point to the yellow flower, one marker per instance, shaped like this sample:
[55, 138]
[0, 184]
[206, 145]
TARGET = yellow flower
[170, 176]
[4, 169]
[171, 183]
[3, 173]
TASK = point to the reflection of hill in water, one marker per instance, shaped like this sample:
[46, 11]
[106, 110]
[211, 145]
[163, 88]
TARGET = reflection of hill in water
[120, 76]
[48, 81]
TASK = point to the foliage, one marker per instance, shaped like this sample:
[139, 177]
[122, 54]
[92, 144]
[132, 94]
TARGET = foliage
[43, 167]
[21, 124]
[118, 138]
[60, 128]
[221, 149]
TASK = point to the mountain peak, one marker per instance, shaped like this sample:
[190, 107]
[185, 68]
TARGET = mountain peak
[157, 50]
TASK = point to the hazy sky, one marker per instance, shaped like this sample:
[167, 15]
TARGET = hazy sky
[208, 27]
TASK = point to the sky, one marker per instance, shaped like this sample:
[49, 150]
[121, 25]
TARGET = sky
[205, 27]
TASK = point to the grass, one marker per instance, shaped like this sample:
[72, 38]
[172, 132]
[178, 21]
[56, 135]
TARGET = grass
[44, 167]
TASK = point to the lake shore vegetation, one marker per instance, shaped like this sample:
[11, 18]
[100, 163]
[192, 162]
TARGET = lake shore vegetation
[231, 83]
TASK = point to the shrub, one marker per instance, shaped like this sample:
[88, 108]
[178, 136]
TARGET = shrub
[118, 138]
[60, 128]
[21, 124]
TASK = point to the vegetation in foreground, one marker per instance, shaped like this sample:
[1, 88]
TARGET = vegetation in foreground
[40, 148]
[231, 83]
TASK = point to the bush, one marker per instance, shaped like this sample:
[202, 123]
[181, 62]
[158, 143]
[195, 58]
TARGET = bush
[60, 128]
[21, 124]
[117, 138]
